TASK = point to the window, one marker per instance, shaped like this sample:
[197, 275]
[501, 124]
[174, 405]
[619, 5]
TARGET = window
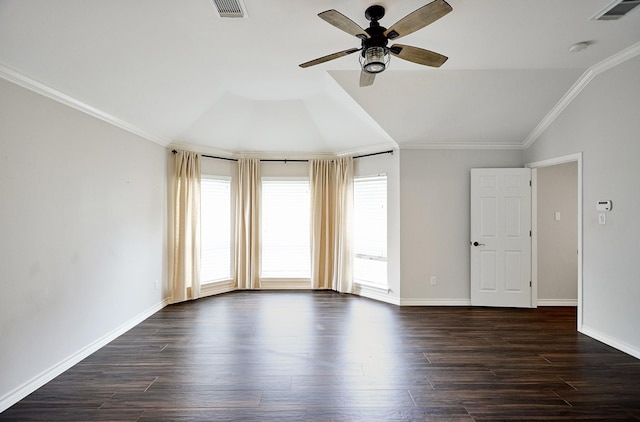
[370, 230]
[215, 229]
[285, 229]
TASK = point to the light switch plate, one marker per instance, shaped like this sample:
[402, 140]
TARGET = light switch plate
[602, 218]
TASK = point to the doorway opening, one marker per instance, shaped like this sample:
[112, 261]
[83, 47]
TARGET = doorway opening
[541, 234]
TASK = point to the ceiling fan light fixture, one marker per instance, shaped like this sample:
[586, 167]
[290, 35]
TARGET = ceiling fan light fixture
[375, 59]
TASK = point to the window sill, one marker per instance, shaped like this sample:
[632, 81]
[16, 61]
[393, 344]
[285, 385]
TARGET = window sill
[374, 286]
[217, 287]
[207, 283]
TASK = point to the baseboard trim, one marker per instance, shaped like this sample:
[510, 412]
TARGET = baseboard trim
[558, 302]
[610, 341]
[44, 377]
[435, 302]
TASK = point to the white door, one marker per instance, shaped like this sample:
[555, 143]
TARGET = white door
[501, 237]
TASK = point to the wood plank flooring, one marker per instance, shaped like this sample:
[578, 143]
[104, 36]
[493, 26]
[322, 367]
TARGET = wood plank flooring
[320, 356]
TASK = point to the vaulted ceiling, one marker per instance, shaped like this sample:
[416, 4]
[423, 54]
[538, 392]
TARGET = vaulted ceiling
[178, 73]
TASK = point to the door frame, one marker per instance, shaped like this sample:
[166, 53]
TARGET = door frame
[577, 157]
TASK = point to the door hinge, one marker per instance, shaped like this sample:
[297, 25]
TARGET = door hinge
[529, 233]
[530, 285]
[529, 182]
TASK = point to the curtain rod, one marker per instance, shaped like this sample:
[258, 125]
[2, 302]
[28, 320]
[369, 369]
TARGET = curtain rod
[374, 153]
[216, 157]
[284, 160]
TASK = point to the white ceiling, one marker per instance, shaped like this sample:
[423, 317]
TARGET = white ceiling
[175, 70]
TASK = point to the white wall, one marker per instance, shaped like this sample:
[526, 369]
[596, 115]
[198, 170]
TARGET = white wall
[83, 207]
[603, 123]
[558, 239]
[388, 164]
[434, 218]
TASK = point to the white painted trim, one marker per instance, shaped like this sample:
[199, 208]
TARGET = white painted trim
[461, 145]
[616, 59]
[577, 87]
[368, 285]
[270, 155]
[534, 238]
[285, 284]
[24, 81]
[558, 302]
[201, 149]
[211, 289]
[577, 157]
[435, 302]
[42, 89]
[374, 293]
[555, 161]
[610, 341]
[44, 377]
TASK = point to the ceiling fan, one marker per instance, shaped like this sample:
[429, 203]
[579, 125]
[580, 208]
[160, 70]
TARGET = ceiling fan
[375, 53]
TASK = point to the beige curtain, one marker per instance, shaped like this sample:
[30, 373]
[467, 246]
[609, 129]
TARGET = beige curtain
[185, 230]
[331, 212]
[247, 271]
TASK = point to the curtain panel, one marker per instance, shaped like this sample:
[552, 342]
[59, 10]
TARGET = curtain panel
[184, 239]
[331, 213]
[247, 253]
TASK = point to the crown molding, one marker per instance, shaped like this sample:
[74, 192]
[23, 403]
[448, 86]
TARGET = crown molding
[460, 145]
[271, 155]
[24, 81]
[263, 155]
[577, 87]
[203, 149]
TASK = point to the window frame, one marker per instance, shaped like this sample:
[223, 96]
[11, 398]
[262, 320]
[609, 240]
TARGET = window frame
[379, 258]
[231, 212]
[284, 282]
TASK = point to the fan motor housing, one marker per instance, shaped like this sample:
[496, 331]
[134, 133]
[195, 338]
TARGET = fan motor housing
[377, 37]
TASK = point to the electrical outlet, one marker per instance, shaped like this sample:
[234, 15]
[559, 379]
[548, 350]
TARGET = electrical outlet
[434, 280]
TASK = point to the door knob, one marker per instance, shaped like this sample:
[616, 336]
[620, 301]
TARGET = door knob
[477, 244]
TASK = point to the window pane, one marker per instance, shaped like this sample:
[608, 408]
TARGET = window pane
[370, 229]
[285, 229]
[370, 270]
[215, 230]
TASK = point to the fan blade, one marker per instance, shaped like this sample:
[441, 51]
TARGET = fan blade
[342, 22]
[330, 57]
[418, 19]
[366, 79]
[418, 55]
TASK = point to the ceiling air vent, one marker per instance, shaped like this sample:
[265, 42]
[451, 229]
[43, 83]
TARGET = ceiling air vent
[616, 10]
[231, 8]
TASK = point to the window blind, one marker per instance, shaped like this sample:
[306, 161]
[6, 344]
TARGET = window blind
[285, 229]
[370, 229]
[215, 229]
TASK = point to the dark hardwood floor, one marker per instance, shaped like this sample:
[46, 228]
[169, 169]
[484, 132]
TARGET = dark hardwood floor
[317, 356]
